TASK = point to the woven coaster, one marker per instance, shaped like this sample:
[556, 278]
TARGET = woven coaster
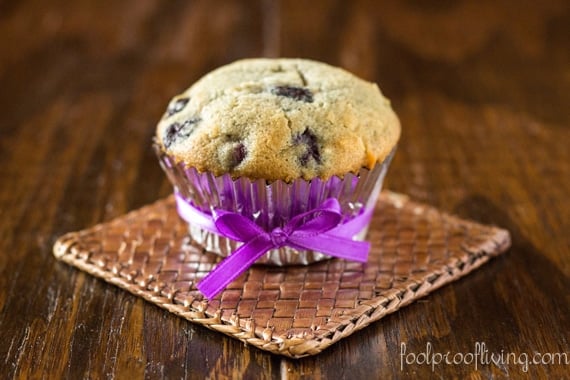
[293, 311]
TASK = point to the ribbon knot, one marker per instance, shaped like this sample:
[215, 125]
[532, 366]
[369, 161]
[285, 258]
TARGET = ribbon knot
[279, 237]
[319, 230]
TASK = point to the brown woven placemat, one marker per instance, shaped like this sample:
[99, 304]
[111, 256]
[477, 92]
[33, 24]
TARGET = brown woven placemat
[292, 311]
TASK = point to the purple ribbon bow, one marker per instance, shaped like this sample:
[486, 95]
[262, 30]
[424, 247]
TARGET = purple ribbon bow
[319, 229]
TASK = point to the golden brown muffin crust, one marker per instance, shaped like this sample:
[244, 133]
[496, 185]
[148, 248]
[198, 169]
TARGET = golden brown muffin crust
[279, 119]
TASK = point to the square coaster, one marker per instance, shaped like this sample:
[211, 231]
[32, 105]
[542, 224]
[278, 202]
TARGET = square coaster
[293, 311]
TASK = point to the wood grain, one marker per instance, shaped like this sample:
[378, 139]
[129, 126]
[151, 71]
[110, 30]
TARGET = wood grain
[482, 90]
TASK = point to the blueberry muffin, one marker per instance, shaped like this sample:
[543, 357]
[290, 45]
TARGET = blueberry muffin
[277, 161]
[279, 119]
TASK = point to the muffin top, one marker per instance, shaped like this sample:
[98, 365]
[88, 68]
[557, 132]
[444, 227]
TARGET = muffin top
[279, 119]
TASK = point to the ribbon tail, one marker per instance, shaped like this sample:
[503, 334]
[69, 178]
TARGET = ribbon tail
[333, 245]
[233, 266]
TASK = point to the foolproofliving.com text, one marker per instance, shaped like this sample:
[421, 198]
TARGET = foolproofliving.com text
[479, 357]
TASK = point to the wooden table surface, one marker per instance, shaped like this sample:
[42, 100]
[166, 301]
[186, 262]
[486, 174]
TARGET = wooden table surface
[483, 93]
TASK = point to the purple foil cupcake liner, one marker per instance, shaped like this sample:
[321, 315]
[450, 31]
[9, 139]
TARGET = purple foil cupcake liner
[271, 204]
